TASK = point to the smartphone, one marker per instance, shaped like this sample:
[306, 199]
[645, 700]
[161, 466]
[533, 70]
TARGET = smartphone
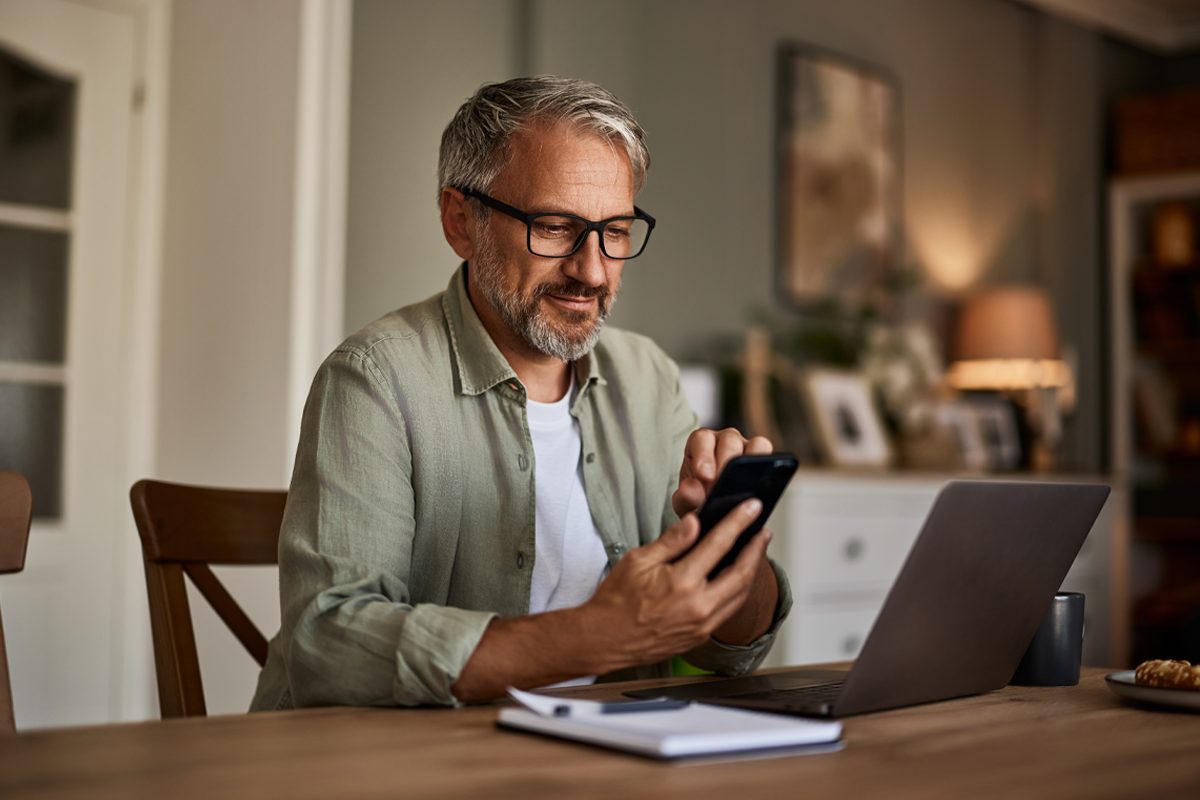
[764, 477]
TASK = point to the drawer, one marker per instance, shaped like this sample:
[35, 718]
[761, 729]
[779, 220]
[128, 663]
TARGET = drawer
[863, 497]
[850, 550]
[815, 635]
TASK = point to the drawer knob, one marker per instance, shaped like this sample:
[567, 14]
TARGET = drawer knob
[853, 549]
[851, 644]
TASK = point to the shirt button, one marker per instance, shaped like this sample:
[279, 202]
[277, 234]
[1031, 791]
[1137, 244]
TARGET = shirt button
[618, 549]
[520, 560]
[590, 458]
[522, 462]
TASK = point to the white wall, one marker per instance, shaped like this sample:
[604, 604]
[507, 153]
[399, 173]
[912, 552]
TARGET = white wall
[226, 282]
[227, 247]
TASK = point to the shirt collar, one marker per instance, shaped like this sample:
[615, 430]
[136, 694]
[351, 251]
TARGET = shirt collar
[480, 364]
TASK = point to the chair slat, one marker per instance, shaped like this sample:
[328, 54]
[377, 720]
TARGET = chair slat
[228, 610]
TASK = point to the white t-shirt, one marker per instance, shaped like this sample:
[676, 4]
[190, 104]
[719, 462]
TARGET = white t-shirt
[570, 558]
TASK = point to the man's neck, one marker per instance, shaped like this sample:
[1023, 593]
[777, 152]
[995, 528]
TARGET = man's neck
[546, 378]
[544, 382]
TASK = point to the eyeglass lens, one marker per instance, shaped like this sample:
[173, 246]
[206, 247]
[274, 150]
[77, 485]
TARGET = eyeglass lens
[554, 236]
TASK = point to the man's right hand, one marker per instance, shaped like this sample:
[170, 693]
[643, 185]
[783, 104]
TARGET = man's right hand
[655, 604]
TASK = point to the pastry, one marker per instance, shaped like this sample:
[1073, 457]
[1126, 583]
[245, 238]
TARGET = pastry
[1168, 674]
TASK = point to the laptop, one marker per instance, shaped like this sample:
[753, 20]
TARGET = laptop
[967, 602]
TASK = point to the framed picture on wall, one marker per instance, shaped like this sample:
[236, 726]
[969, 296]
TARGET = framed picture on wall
[839, 227]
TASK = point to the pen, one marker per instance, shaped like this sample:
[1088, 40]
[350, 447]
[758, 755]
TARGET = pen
[630, 706]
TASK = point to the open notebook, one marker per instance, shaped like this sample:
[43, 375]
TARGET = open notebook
[692, 730]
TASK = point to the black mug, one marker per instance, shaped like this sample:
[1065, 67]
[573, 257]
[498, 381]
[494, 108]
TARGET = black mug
[1054, 655]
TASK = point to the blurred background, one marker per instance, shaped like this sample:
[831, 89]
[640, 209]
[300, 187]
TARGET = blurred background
[909, 239]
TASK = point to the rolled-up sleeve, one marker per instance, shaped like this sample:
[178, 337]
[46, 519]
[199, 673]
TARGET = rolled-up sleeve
[350, 634]
[734, 659]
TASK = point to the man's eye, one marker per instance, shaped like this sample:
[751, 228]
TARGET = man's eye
[615, 233]
[551, 230]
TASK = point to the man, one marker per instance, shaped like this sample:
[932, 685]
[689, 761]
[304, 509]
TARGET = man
[482, 478]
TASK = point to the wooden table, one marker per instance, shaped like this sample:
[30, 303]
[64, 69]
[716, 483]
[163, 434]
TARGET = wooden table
[1017, 742]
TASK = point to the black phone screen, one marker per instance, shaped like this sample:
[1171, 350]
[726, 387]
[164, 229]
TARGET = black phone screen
[764, 477]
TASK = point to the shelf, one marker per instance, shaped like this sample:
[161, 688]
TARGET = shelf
[1182, 352]
[1148, 267]
[1168, 529]
[1167, 606]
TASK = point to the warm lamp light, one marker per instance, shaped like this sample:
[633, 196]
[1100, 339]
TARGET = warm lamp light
[1006, 339]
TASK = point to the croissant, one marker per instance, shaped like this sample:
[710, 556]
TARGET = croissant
[1168, 674]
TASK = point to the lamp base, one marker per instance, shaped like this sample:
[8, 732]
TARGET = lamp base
[1042, 457]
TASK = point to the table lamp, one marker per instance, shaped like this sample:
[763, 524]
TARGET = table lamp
[1006, 340]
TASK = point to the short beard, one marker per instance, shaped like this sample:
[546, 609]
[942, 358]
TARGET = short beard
[524, 316]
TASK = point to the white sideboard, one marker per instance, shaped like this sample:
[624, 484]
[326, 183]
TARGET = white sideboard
[843, 537]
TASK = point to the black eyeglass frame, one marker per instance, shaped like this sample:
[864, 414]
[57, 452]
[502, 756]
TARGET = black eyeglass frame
[589, 226]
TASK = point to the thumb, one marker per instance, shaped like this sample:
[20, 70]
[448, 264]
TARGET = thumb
[675, 541]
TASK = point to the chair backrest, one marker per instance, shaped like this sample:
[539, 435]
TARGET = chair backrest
[16, 511]
[184, 529]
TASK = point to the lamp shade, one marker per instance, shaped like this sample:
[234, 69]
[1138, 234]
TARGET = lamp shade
[1006, 339]
[1006, 322]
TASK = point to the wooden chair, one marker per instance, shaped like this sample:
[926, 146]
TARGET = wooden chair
[184, 529]
[16, 511]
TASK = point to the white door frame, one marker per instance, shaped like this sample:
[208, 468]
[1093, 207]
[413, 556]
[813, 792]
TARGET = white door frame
[319, 209]
[132, 694]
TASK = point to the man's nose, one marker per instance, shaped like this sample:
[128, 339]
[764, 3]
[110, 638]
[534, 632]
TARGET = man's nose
[588, 263]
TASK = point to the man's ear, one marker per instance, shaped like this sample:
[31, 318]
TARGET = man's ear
[457, 225]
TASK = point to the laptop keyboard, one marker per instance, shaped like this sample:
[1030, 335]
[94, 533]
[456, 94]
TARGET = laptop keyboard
[799, 696]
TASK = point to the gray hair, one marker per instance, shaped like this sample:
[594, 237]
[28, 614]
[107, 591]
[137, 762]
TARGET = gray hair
[475, 144]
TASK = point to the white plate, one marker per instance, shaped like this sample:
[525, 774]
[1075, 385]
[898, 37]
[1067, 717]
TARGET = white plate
[1123, 685]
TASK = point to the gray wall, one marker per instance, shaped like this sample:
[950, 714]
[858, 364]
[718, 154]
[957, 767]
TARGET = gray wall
[1002, 147]
[413, 64]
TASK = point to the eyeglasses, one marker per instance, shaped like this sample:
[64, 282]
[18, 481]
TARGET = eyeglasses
[558, 234]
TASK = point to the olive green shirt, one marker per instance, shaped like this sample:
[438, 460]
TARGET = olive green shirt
[410, 517]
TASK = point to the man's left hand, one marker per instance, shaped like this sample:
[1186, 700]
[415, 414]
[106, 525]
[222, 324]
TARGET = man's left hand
[704, 456]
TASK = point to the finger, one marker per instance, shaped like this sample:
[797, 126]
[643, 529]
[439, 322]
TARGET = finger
[698, 459]
[675, 541]
[740, 575]
[716, 543]
[730, 444]
[688, 497]
[759, 446]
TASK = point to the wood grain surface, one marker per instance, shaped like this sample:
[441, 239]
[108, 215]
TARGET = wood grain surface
[1017, 742]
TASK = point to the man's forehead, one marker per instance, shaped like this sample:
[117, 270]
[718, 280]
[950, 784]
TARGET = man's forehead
[558, 162]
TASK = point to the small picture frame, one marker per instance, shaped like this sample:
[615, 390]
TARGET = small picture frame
[958, 418]
[997, 425]
[849, 430]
